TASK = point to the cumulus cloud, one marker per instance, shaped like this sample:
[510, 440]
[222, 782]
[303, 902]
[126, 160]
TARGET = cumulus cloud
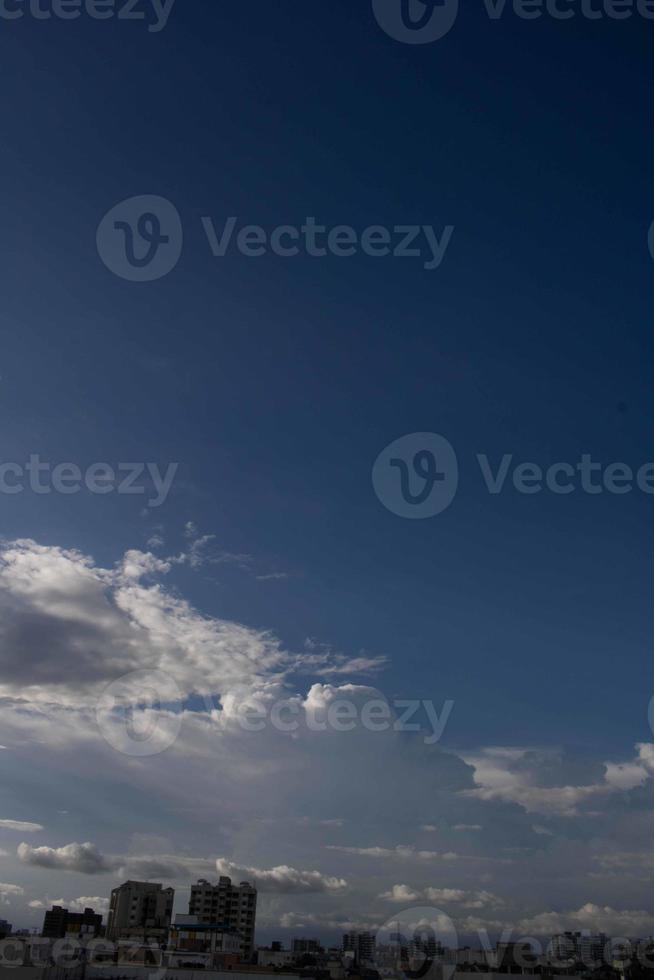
[99, 624]
[541, 781]
[82, 858]
[282, 879]
[400, 894]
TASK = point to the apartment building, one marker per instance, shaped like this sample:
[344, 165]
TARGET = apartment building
[361, 944]
[233, 906]
[139, 905]
[59, 922]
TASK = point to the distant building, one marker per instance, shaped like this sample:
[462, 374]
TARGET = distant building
[190, 938]
[514, 957]
[582, 947]
[234, 906]
[59, 922]
[274, 958]
[361, 944]
[5, 928]
[307, 947]
[139, 905]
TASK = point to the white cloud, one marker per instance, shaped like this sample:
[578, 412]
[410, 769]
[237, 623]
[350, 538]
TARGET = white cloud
[9, 891]
[22, 825]
[282, 878]
[401, 851]
[400, 894]
[598, 918]
[473, 899]
[82, 858]
[98, 903]
[537, 779]
[99, 624]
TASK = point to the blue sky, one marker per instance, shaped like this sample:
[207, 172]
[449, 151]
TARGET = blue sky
[275, 383]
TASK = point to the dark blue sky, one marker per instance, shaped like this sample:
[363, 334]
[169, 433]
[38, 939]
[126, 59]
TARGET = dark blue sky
[275, 383]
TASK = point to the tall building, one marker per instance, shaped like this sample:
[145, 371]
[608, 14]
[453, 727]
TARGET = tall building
[139, 905]
[234, 906]
[59, 922]
[362, 944]
[5, 928]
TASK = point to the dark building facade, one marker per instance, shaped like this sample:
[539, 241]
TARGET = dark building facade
[59, 922]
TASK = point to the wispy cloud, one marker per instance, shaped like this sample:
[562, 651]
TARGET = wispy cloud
[24, 826]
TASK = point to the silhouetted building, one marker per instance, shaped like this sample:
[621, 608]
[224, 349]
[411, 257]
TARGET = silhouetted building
[59, 922]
